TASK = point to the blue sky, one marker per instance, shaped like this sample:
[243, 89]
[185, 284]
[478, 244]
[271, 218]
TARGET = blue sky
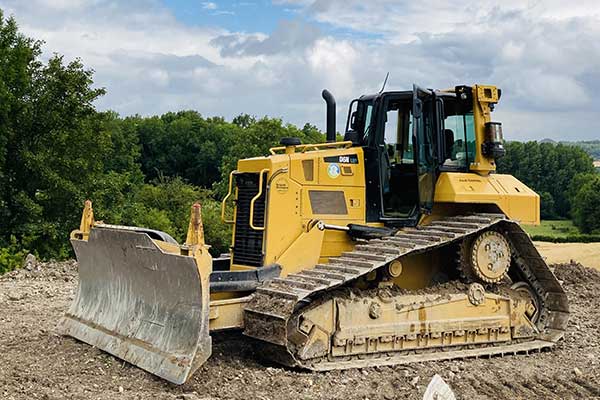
[249, 16]
[261, 16]
[273, 57]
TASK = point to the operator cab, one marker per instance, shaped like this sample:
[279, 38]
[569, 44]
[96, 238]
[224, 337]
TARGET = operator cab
[408, 138]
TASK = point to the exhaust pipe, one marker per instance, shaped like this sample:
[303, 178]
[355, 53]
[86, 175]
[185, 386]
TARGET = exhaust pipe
[330, 100]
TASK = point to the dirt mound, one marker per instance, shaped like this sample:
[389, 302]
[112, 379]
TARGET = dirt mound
[37, 363]
[575, 273]
[44, 271]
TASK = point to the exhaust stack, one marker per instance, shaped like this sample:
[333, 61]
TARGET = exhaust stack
[330, 100]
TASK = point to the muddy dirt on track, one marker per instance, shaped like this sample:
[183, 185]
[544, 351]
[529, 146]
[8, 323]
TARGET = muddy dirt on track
[37, 363]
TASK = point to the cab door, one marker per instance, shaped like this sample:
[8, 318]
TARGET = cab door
[423, 138]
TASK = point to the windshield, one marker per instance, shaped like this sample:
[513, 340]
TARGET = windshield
[458, 135]
[360, 121]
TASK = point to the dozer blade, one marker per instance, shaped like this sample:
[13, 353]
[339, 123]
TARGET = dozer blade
[147, 306]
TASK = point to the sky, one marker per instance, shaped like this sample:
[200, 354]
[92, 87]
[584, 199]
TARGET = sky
[273, 57]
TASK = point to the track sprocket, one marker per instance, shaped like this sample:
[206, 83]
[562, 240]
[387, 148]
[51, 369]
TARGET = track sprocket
[486, 258]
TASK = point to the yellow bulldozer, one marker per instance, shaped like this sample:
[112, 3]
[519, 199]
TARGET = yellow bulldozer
[398, 244]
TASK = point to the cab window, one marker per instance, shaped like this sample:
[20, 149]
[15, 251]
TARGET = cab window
[398, 133]
[458, 136]
[368, 123]
[454, 138]
[470, 133]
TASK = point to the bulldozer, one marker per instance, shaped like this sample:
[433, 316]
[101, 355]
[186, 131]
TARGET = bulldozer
[399, 244]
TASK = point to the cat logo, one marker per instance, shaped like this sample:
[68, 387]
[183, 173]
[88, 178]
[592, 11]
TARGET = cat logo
[333, 170]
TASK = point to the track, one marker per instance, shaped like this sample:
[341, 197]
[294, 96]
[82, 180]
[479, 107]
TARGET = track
[273, 314]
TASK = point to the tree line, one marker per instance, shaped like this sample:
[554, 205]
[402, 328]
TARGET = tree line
[592, 147]
[564, 177]
[57, 150]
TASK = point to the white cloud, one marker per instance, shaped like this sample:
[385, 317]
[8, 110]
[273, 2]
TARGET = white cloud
[209, 5]
[223, 12]
[333, 62]
[543, 54]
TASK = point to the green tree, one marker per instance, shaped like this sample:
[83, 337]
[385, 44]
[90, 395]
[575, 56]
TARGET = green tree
[164, 204]
[547, 206]
[549, 169]
[55, 149]
[586, 204]
[183, 144]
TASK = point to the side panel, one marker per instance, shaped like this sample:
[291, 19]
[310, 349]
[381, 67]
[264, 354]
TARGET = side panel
[514, 198]
[326, 185]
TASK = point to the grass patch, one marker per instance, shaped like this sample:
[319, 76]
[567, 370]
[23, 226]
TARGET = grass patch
[553, 228]
[559, 231]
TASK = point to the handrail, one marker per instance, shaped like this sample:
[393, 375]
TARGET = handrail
[260, 191]
[316, 146]
[224, 202]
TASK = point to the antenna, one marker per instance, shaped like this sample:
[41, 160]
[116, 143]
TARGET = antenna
[384, 82]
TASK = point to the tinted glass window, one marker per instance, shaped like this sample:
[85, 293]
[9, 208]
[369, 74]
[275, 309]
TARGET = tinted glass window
[470, 126]
[368, 123]
[458, 135]
[454, 137]
[391, 128]
[407, 152]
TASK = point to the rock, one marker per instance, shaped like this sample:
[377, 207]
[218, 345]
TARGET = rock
[438, 390]
[121, 390]
[193, 396]
[30, 263]
[577, 371]
[454, 368]
[15, 296]
[414, 381]
[188, 396]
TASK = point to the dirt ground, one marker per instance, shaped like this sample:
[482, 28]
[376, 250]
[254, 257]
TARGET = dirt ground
[35, 363]
[559, 253]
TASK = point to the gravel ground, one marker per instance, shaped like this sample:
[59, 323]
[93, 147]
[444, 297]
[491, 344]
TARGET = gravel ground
[35, 363]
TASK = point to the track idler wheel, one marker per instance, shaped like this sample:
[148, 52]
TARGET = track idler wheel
[486, 258]
[533, 305]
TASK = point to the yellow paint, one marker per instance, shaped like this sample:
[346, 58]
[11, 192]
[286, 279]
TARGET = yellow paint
[289, 210]
[227, 197]
[261, 178]
[195, 233]
[227, 313]
[303, 253]
[86, 224]
[417, 270]
[483, 97]
[512, 197]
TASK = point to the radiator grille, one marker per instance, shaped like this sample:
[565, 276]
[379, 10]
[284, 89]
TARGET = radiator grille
[247, 244]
